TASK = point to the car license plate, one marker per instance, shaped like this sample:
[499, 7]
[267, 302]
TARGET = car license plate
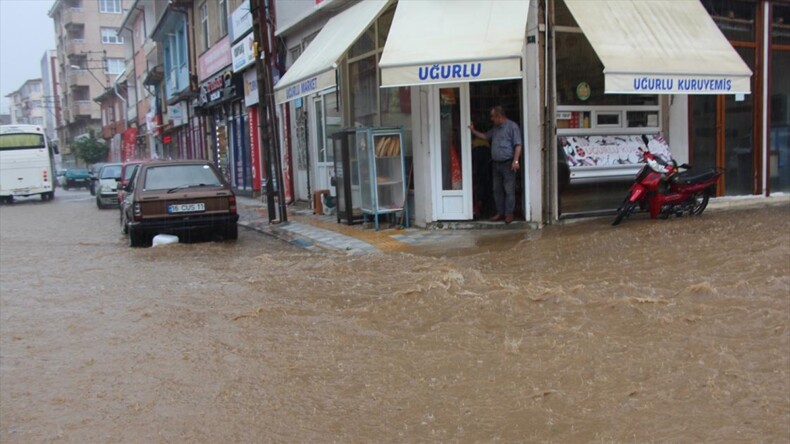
[186, 208]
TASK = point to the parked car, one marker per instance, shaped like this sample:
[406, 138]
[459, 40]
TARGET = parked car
[106, 184]
[76, 178]
[178, 197]
[127, 172]
[94, 175]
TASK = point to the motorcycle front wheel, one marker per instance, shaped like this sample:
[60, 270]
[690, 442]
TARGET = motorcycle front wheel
[625, 210]
[699, 203]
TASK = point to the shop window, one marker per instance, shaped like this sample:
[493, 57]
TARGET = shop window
[384, 24]
[780, 26]
[579, 68]
[607, 119]
[563, 16]
[204, 26]
[364, 44]
[779, 137]
[735, 18]
[362, 80]
[223, 17]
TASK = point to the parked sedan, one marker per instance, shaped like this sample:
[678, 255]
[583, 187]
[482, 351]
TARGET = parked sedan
[106, 184]
[182, 198]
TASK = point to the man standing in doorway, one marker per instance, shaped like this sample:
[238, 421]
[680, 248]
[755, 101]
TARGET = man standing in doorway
[505, 138]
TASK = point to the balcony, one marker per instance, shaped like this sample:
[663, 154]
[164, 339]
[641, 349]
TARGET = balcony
[84, 109]
[74, 46]
[73, 18]
[79, 77]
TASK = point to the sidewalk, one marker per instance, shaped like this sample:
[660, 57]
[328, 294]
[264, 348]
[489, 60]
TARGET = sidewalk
[319, 232]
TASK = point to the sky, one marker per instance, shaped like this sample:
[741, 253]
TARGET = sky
[26, 31]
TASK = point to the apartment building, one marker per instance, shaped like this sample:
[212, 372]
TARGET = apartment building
[50, 82]
[90, 57]
[27, 103]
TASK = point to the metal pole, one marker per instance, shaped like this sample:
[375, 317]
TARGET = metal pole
[257, 10]
[270, 48]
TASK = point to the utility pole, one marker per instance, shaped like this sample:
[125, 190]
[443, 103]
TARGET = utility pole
[263, 27]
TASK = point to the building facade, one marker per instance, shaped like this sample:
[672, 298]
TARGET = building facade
[27, 104]
[50, 82]
[90, 57]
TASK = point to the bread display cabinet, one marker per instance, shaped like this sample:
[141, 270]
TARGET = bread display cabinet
[346, 178]
[382, 181]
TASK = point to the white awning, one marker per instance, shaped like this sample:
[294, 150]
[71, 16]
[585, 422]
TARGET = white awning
[447, 41]
[314, 70]
[660, 47]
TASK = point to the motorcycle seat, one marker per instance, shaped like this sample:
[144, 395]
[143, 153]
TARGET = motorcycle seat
[690, 177]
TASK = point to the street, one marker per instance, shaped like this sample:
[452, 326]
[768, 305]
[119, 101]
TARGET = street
[655, 330]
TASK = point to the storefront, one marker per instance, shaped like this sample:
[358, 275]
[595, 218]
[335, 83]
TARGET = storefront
[309, 88]
[246, 152]
[585, 95]
[455, 78]
[616, 86]
[221, 100]
[748, 138]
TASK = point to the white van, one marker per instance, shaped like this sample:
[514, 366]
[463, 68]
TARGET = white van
[27, 163]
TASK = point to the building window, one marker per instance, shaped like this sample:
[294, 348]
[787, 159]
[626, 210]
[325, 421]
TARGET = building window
[114, 66]
[223, 18]
[110, 36]
[110, 6]
[38, 121]
[204, 25]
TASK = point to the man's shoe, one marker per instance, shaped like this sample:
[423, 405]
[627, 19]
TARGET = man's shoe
[508, 218]
[496, 218]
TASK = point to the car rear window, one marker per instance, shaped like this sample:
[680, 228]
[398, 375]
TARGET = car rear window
[172, 176]
[111, 172]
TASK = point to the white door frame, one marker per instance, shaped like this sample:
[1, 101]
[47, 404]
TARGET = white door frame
[321, 172]
[451, 204]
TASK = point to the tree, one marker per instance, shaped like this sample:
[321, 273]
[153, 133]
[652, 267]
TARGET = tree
[91, 149]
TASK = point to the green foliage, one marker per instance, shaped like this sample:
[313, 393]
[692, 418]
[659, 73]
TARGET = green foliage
[91, 149]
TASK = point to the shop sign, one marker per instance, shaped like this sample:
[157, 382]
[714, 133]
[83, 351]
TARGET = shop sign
[303, 88]
[244, 53]
[673, 84]
[250, 87]
[214, 59]
[240, 21]
[439, 73]
[221, 87]
[176, 113]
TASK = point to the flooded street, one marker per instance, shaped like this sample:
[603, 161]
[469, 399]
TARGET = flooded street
[652, 331]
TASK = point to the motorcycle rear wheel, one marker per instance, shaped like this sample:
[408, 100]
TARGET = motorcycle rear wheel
[625, 210]
[700, 202]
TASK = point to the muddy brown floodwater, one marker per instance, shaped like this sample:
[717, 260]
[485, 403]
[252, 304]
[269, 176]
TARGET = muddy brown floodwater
[653, 331]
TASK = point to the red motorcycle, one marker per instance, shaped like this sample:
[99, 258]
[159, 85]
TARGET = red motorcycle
[662, 189]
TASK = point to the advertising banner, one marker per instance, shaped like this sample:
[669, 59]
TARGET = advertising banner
[250, 87]
[606, 151]
[240, 21]
[214, 59]
[255, 148]
[129, 144]
[244, 53]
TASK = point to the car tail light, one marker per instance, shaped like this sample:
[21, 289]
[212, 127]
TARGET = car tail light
[232, 204]
[138, 212]
[45, 175]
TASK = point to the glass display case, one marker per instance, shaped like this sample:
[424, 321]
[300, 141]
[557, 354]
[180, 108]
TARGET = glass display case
[382, 183]
[346, 179]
